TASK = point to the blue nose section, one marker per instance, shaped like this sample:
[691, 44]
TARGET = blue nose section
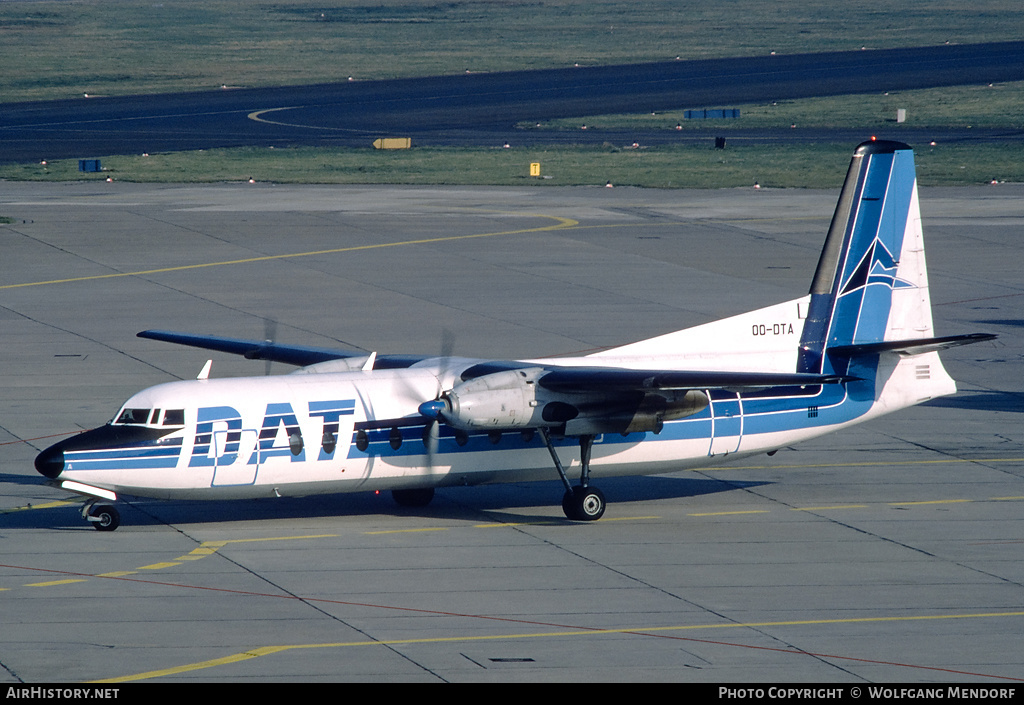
[50, 463]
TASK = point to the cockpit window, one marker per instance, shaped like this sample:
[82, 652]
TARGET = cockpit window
[151, 417]
[133, 416]
[174, 417]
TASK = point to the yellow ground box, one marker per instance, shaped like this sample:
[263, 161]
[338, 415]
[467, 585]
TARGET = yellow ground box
[393, 143]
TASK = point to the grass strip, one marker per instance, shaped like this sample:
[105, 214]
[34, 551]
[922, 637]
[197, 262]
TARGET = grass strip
[681, 166]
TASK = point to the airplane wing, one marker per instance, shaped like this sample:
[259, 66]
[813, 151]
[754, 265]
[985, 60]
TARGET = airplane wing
[613, 379]
[584, 401]
[252, 349]
[583, 379]
[300, 355]
[558, 379]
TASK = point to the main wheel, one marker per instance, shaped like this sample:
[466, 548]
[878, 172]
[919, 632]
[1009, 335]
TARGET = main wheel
[419, 497]
[569, 505]
[105, 517]
[584, 504]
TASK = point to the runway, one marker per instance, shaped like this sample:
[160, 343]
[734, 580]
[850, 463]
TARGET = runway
[890, 552]
[484, 108]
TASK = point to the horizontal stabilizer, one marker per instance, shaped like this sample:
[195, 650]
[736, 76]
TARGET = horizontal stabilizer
[910, 347]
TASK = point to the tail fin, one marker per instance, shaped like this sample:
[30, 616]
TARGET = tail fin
[869, 295]
[871, 284]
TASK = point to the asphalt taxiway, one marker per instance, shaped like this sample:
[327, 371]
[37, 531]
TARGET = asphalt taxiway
[484, 108]
[888, 552]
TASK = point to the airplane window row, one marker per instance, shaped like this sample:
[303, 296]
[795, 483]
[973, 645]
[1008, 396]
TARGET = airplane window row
[151, 417]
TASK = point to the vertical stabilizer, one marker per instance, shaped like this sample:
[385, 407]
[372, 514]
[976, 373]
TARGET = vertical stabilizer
[871, 284]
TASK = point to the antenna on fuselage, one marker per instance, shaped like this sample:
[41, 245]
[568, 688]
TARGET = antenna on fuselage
[205, 372]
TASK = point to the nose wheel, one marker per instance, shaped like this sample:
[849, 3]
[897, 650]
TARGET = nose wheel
[103, 517]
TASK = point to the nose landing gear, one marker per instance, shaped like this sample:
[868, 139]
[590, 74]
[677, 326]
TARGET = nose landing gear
[103, 517]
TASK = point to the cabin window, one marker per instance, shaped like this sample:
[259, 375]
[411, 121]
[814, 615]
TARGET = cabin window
[395, 438]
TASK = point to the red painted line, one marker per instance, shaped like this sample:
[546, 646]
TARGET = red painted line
[795, 652]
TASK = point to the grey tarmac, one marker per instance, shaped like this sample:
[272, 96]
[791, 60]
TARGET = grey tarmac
[891, 552]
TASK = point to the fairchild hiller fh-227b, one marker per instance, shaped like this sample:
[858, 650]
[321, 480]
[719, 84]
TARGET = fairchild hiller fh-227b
[860, 344]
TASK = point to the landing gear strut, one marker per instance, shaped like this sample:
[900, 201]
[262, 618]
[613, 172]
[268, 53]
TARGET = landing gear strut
[583, 502]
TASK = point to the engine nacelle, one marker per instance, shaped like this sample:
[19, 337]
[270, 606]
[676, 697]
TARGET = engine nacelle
[646, 413]
[499, 400]
[512, 399]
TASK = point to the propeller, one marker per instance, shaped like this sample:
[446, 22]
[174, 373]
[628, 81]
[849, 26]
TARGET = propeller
[269, 336]
[433, 409]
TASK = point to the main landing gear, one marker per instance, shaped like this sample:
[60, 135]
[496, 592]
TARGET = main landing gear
[582, 502]
[104, 517]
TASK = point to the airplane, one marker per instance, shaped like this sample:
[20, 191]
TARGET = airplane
[858, 345]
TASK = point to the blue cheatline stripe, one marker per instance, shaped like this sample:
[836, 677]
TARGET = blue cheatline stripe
[121, 464]
[762, 415]
[135, 458]
[135, 452]
[126, 464]
[123, 453]
[343, 406]
[831, 404]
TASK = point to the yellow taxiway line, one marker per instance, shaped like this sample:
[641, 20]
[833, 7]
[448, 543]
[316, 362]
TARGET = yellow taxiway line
[639, 631]
[561, 224]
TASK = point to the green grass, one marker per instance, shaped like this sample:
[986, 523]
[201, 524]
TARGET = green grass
[52, 49]
[787, 166]
[999, 105]
[61, 49]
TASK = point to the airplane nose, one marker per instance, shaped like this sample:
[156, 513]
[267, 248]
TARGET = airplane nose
[50, 463]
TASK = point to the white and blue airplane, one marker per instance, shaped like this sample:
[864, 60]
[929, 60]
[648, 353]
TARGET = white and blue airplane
[859, 345]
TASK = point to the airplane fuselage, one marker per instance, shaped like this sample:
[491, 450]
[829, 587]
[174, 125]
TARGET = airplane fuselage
[302, 434]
